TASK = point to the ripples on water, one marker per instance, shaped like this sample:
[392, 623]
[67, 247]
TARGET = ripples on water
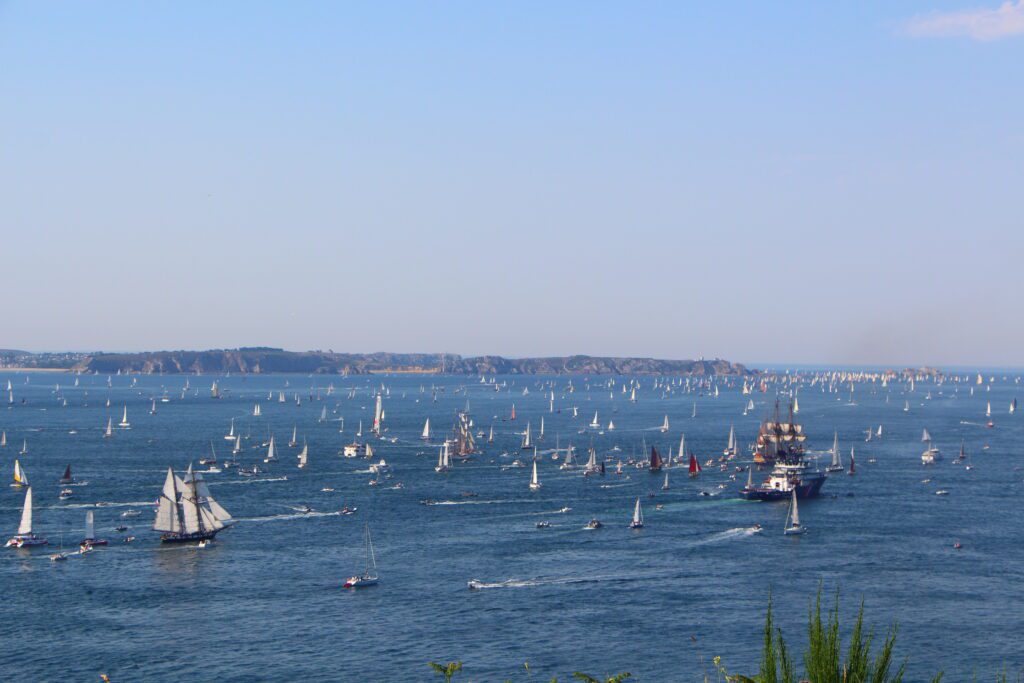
[265, 602]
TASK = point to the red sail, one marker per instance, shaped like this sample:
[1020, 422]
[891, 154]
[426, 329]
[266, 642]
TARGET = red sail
[67, 474]
[513, 416]
[694, 466]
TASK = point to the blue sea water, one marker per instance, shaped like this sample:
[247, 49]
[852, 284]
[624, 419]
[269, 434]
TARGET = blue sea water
[265, 602]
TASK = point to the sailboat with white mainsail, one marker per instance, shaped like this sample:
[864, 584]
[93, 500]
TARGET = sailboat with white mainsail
[90, 539]
[108, 433]
[444, 462]
[664, 425]
[534, 481]
[638, 517]
[426, 430]
[369, 576]
[124, 423]
[730, 447]
[271, 454]
[25, 538]
[20, 476]
[303, 455]
[186, 511]
[837, 459]
[793, 527]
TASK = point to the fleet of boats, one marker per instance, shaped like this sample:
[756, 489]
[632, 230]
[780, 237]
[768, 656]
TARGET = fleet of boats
[778, 464]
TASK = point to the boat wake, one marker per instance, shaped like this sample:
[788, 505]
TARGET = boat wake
[290, 516]
[101, 504]
[478, 502]
[475, 584]
[738, 532]
[248, 481]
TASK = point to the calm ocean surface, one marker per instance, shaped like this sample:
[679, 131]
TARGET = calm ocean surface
[265, 602]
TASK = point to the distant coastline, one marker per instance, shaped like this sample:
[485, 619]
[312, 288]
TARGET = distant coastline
[262, 360]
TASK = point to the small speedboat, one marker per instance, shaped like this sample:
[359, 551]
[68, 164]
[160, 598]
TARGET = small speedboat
[130, 513]
[65, 494]
[543, 525]
[594, 524]
[59, 557]
[957, 546]
[348, 511]
[205, 543]
[120, 527]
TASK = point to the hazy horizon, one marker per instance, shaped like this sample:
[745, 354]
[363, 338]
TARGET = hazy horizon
[822, 185]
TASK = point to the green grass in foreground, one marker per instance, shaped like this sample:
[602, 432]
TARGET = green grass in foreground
[823, 660]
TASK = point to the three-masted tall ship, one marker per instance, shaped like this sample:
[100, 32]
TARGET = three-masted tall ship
[186, 511]
[779, 440]
[781, 445]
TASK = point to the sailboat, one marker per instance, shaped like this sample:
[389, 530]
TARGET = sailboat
[694, 466]
[271, 455]
[664, 425]
[426, 430]
[124, 424]
[186, 511]
[490, 435]
[369, 575]
[3, 439]
[152, 407]
[303, 454]
[793, 527]
[20, 476]
[594, 423]
[664, 487]
[931, 454]
[837, 459]
[212, 460]
[25, 538]
[906, 406]
[295, 437]
[230, 436]
[90, 533]
[655, 463]
[534, 481]
[853, 467]
[638, 517]
[24, 447]
[527, 442]
[256, 410]
[730, 447]
[796, 405]
[66, 479]
[444, 463]
[1013, 406]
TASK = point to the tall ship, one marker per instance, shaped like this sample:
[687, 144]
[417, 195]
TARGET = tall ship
[779, 440]
[780, 444]
[186, 511]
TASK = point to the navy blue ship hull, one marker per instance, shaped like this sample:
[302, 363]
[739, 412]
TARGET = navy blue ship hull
[809, 488]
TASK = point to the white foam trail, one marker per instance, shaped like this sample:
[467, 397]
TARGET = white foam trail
[287, 517]
[248, 481]
[479, 502]
[738, 532]
[102, 504]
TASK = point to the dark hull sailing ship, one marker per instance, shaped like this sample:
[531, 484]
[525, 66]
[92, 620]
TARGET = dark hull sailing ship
[187, 512]
[780, 444]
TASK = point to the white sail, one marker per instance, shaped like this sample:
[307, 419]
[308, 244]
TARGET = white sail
[527, 443]
[534, 482]
[20, 477]
[378, 416]
[256, 410]
[124, 418]
[638, 515]
[594, 423]
[270, 451]
[25, 528]
[426, 430]
[304, 454]
[925, 436]
[90, 526]
[794, 516]
[167, 513]
[664, 425]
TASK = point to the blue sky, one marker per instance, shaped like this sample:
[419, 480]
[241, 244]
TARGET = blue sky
[766, 182]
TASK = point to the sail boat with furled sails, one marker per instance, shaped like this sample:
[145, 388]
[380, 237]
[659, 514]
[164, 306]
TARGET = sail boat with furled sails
[186, 511]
